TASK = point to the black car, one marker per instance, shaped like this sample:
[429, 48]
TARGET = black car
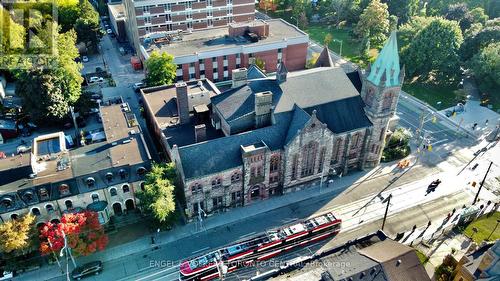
[432, 187]
[91, 268]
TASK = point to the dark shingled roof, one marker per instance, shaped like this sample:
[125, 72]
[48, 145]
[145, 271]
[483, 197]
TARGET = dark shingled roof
[329, 91]
[199, 159]
[355, 78]
[342, 115]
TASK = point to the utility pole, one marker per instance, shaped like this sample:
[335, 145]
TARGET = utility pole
[386, 210]
[482, 182]
[57, 259]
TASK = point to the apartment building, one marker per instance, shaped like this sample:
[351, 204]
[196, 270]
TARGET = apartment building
[149, 17]
[215, 53]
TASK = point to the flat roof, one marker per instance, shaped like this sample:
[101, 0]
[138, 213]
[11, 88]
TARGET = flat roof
[161, 101]
[216, 38]
[117, 10]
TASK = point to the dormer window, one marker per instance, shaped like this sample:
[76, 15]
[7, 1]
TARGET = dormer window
[64, 189]
[109, 177]
[216, 183]
[69, 204]
[141, 171]
[49, 208]
[122, 173]
[112, 191]
[14, 216]
[28, 196]
[95, 197]
[44, 194]
[126, 188]
[35, 211]
[90, 181]
[195, 188]
[6, 202]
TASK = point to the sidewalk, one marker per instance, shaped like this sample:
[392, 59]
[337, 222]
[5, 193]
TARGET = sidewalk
[438, 240]
[143, 245]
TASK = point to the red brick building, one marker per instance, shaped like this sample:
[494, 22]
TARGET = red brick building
[148, 17]
[214, 53]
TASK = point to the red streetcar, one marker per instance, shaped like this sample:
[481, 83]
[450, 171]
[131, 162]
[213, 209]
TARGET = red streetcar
[261, 247]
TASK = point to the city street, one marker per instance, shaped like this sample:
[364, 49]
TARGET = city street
[358, 198]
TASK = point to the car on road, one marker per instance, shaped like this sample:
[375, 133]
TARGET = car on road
[138, 86]
[95, 79]
[23, 149]
[85, 59]
[91, 268]
[432, 187]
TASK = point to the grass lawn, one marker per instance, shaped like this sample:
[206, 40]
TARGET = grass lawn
[350, 46]
[431, 94]
[485, 226]
[422, 257]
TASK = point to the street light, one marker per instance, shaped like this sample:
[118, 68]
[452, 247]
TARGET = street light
[498, 222]
[337, 40]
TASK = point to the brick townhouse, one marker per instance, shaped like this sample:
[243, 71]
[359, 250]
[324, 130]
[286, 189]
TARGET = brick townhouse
[54, 179]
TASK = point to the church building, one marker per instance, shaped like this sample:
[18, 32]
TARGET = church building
[270, 135]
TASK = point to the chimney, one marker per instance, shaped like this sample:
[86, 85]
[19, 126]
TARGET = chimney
[200, 133]
[181, 92]
[263, 108]
[239, 77]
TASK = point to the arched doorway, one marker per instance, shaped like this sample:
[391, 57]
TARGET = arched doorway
[129, 204]
[117, 209]
[255, 192]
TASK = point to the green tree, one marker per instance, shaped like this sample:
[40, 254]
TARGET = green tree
[328, 39]
[460, 13]
[409, 30]
[486, 68]
[478, 15]
[160, 69]
[339, 10]
[375, 20]
[87, 26]
[47, 90]
[439, 40]
[403, 9]
[15, 235]
[68, 12]
[312, 61]
[260, 63]
[157, 197]
[475, 42]
[12, 34]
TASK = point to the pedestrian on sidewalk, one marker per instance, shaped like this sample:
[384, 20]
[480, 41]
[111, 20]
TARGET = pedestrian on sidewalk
[474, 126]
[486, 122]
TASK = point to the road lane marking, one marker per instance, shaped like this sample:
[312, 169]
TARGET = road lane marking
[200, 250]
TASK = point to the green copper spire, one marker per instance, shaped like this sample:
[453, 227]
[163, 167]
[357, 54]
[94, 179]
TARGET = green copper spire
[386, 66]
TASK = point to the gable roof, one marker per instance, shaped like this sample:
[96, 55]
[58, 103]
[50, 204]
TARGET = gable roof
[343, 115]
[386, 66]
[324, 58]
[299, 120]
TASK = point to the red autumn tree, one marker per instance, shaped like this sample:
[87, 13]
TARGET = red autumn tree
[84, 234]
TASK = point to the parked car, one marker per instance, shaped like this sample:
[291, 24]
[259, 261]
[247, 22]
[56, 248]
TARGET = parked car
[94, 110]
[6, 275]
[95, 79]
[96, 96]
[138, 86]
[91, 268]
[432, 187]
[85, 59]
[23, 149]
[109, 31]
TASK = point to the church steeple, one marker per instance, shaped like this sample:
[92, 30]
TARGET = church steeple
[387, 64]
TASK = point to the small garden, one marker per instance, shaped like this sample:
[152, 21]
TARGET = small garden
[398, 146]
[485, 228]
